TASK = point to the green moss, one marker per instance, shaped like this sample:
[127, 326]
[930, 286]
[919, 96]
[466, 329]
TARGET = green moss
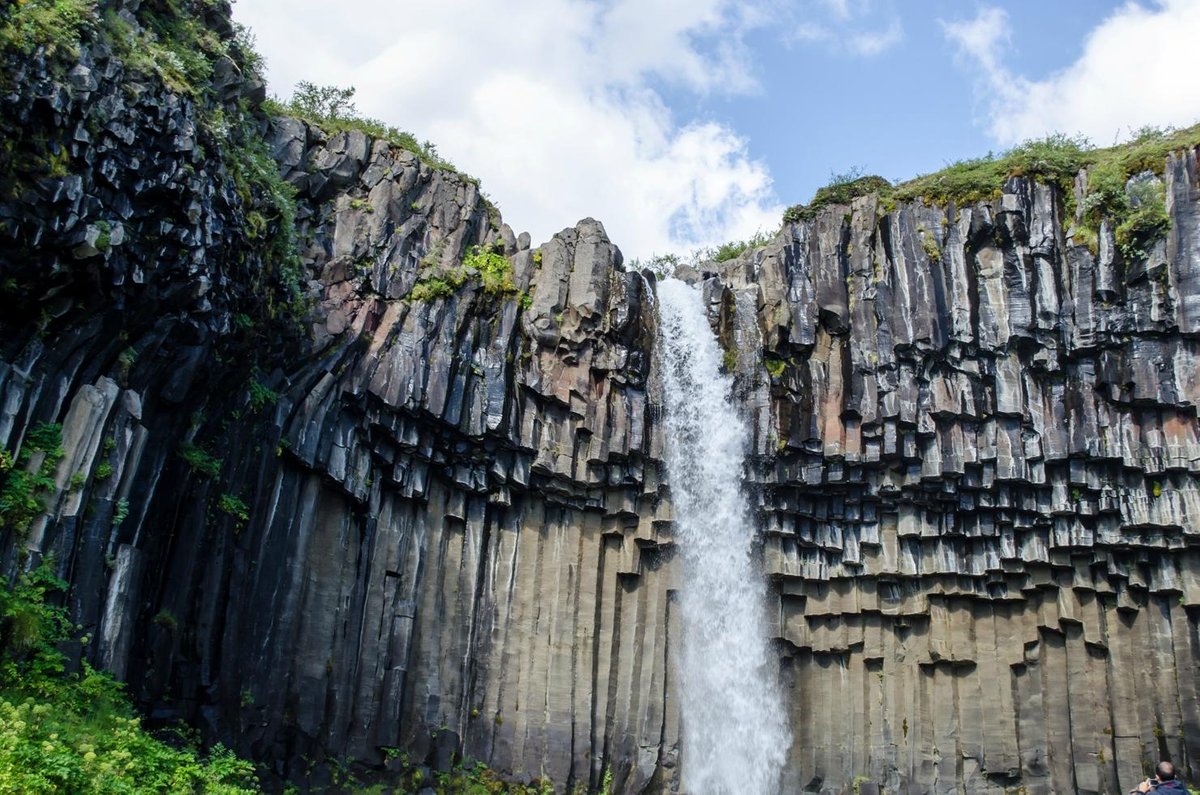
[775, 366]
[167, 620]
[1136, 209]
[729, 360]
[434, 287]
[260, 396]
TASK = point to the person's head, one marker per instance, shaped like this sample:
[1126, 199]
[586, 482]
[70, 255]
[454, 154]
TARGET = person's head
[1165, 771]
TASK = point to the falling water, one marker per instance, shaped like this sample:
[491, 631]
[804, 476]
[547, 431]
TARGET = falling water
[735, 735]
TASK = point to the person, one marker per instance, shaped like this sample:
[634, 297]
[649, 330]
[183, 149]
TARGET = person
[1163, 781]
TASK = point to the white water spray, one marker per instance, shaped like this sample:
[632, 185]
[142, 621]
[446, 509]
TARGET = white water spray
[735, 734]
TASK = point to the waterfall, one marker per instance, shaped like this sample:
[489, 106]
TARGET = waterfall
[735, 734]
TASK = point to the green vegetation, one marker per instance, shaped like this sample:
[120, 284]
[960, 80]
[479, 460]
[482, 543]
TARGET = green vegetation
[1135, 208]
[493, 269]
[23, 491]
[235, 507]
[56, 25]
[261, 396]
[270, 204]
[120, 512]
[1055, 159]
[200, 460]
[734, 248]
[66, 732]
[775, 366]
[841, 189]
[467, 778]
[433, 287]
[332, 109]
[167, 620]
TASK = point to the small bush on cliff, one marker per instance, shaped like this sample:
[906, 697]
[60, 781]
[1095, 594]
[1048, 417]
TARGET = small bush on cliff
[841, 189]
[76, 732]
[494, 269]
[23, 490]
[331, 108]
[200, 460]
[734, 248]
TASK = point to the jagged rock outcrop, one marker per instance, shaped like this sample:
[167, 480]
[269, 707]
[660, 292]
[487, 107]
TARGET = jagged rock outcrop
[434, 519]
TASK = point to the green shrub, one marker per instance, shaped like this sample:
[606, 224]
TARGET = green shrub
[1145, 220]
[235, 507]
[57, 25]
[23, 492]
[200, 460]
[434, 287]
[66, 732]
[734, 248]
[775, 366]
[494, 269]
[261, 396]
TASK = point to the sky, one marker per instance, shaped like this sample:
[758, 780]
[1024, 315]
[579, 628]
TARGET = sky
[682, 124]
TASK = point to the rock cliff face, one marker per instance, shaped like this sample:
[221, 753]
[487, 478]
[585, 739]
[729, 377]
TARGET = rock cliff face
[440, 525]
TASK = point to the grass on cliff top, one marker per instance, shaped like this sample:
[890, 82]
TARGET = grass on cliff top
[332, 109]
[1055, 159]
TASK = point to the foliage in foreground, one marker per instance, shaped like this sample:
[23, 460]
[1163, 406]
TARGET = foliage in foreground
[76, 732]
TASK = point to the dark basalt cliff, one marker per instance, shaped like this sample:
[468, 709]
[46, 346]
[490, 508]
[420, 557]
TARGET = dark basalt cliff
[321, 518]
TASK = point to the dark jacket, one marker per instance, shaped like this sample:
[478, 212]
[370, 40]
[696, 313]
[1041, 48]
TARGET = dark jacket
[1168, 786]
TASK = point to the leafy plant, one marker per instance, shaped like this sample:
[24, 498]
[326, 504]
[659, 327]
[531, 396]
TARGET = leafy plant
[55, 25]
[261, 396]
[323, 102]
[76, 732]
[734, 248]
[494, 269]
[200, 460]
[235, 507]
[23, 491]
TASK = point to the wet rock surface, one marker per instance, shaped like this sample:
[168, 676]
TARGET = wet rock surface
[440, 525]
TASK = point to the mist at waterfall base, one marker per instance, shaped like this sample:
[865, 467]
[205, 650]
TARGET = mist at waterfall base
[735, 734]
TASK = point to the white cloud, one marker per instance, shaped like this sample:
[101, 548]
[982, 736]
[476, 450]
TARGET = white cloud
[850, 26]
[555, 104]
[1137, 69]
